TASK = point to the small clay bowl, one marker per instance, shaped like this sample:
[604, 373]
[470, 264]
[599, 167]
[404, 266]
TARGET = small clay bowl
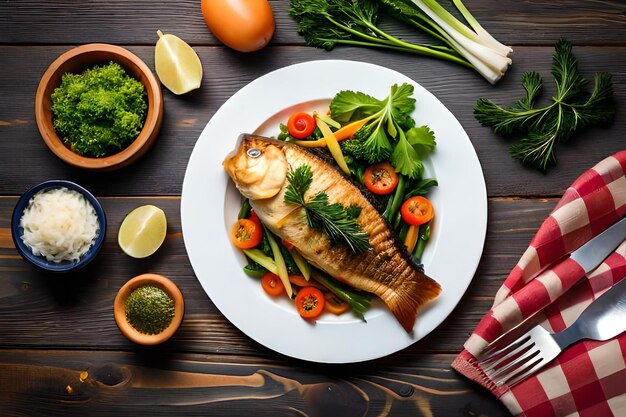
[40, 261]
[164, 284]
[76, 61]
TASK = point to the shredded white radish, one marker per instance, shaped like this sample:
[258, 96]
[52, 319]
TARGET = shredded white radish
[60, 224]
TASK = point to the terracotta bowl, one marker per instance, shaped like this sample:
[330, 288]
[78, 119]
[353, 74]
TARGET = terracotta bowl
[76, 61]
[158, 281]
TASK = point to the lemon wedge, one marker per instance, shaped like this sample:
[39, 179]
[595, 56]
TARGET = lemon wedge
[142, 231]
[177, 64]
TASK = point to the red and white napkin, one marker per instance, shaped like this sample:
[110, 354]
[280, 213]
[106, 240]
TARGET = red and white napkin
[588, 378]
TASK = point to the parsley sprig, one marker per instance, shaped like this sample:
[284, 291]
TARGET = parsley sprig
[541, 128]
[337, 221]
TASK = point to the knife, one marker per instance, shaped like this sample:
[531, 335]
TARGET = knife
[572, 268]
[588, 256]
[592, 253]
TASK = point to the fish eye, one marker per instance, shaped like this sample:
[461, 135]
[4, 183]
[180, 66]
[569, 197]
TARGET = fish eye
[254, 152]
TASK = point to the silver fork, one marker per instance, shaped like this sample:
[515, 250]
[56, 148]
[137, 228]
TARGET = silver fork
[601, 320]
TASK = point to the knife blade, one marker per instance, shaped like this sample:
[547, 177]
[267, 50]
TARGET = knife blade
[596, 250]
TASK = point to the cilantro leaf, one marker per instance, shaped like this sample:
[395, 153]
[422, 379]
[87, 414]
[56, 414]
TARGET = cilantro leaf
[405, 159]
[390, 133]
[402, 105]
[422, 139]
[350, 105]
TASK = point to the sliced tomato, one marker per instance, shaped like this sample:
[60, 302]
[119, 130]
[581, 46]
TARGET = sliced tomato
[272, 284]
[287, 245]
[335, 304]
[246, 233]
[310, 302]
[417, 210]
[381, 178]
[301, 125]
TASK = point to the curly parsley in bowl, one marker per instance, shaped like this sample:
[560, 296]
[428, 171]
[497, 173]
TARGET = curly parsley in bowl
[99, 112]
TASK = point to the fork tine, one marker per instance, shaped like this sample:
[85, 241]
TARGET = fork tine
[516, 364]
[517, 348]
[490, 355]
[517, 377]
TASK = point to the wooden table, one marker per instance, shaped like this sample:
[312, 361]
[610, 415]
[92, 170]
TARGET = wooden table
[61, 353]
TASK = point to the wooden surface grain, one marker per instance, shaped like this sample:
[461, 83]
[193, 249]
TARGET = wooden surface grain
[61, 353]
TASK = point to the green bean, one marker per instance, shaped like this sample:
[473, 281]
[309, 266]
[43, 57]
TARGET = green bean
[423, 237]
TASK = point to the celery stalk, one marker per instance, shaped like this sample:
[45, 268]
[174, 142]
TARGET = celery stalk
[280, 263]
[262, 259]
[303, 265]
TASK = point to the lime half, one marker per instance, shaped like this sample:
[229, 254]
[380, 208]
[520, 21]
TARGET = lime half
[177, 64]
[142, 231]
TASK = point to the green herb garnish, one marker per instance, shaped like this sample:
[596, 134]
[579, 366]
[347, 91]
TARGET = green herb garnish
[390, 134]
[541, 128]
[335, 220]
[328, 23]
[99, 112]
[149, 309]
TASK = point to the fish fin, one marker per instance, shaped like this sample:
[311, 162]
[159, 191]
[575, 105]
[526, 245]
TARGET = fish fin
[405, 301]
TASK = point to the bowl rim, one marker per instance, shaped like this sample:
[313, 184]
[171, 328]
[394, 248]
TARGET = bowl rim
[136, 148]
[159, 281]
[40, 261]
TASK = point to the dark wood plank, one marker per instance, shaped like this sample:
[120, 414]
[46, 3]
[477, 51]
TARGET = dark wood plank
[100, 383]
[510, 21]
[161, 171]
[38, 309]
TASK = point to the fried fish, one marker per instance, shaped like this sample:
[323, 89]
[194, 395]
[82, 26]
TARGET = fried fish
[259, 168]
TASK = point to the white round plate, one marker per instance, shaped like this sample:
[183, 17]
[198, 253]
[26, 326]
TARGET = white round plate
[210, 203]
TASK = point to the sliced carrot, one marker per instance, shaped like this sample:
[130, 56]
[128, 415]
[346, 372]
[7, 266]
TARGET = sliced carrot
[300, 281]
[345, 132]
[335, 304]
[411, 237]
[350, 129]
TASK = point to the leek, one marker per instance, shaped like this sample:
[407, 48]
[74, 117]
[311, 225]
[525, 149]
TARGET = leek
[327, 23]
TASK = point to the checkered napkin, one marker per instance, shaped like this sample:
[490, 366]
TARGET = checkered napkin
[588, 378]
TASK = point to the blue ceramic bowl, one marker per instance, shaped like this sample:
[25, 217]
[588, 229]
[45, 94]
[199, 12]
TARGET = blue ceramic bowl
[40, 261]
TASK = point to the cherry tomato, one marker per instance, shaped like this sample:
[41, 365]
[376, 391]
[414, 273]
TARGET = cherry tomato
[272, 284]
[380, 178]
[246, 233]
[300, 125]
[244, 25]
[335, 304]
[417, 210]
[255, 218]
[310, 302]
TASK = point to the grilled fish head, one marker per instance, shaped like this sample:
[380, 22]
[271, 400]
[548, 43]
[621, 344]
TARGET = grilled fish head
[258, 167]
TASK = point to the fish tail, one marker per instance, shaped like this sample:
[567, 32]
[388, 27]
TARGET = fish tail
[406, 300]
